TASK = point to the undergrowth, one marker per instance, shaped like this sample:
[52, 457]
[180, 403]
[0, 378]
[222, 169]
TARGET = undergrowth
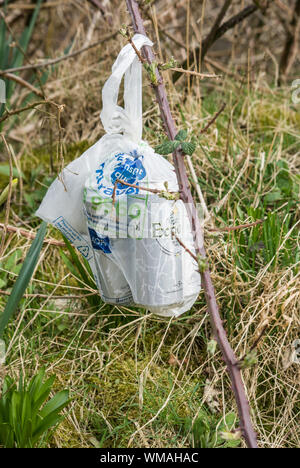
[139, 380]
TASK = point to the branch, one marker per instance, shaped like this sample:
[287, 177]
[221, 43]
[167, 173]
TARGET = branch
[255, 342]
[186, 196]
[98, 4]
[29, 235]
[211, 38]
[8, 113]
[236, 228]
[20, 81]
[50, 62]
[204, 130]
[208, 42]
[290, 50]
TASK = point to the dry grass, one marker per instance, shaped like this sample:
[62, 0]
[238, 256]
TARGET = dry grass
[137, 379]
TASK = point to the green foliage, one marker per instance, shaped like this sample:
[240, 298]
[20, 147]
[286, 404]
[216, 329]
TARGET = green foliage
[188, 147]
[172, 63]
[25, 417]
[202, 263]
[181, 135]
[267, 244]
[24, 277]
[12, 56]
[211, 347]
[169, 195]
[5, 171]
[4, 193]
[249, 360]
[11, 264]
[151, 71]
[169, 146]
[208, 432]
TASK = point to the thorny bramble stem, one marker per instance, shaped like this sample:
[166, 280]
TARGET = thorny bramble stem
[172, 195]
[186, 196]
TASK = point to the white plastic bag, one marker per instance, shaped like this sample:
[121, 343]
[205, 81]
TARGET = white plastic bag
[131, 244]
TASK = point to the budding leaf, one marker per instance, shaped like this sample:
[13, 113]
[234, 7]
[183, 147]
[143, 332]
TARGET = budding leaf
[250, 360]
[202, 263]
[151, 70]
[181, 135]
[124, 30]
[167, 147]
[188, 147]
[211, 347]
[169, 196]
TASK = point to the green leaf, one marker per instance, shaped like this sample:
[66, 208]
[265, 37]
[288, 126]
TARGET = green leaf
[230, 420]
[56, 404]
[5, 171]
[6, 435]
[181, 135]
[23, 278]
[52, 420]
[77, 263]
[273, 196]
[166, 147]
[23, 420]
[4, 193]
[211, 347]
[188, 147]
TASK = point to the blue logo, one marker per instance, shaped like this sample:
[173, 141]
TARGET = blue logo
[122, 166]
[99, 243]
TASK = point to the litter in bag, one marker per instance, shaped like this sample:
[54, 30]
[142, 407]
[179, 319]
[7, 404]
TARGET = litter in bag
[127, 234]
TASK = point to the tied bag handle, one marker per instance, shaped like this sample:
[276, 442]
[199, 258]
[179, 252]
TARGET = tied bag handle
[114, 118]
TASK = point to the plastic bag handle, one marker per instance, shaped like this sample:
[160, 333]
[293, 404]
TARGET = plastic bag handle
[114, 118]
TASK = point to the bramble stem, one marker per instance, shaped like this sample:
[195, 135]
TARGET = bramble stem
[186, 196]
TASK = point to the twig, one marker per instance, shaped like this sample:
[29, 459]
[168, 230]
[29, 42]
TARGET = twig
[118, 181]
[126, 33]
[186, 196]
[98, 4]
[8, 113]
[284, 7]
[194, 73]
[186, 248]
[20, 81]
[46, 296]
[290, 50]
[235, 228]
[210, 39]
[147, 189]
[29, 235]
[103, 10]
[255, 343]
[54, 61]
[221, 67]
[238, 18]
[204, 130]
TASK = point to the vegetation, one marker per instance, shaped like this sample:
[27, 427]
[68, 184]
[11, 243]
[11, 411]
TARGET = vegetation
[136, 379]
[25, 419]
